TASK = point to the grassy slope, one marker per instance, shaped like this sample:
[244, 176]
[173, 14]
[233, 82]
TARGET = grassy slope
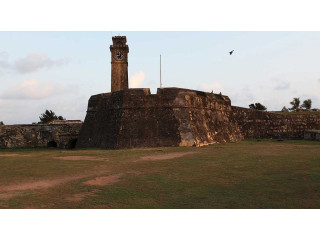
[246, 174]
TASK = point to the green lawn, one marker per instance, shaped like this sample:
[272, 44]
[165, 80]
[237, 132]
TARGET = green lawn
[247, 174]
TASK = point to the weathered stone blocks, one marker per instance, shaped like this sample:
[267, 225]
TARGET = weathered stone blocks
[172, 117]
[39, 135]
[260, 124]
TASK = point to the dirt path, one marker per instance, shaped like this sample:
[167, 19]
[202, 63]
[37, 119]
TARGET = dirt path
[13, 155]
[12, 190]
[86, 158]
[80, 196]
[104, 181]
[164, 156]
[9, 191]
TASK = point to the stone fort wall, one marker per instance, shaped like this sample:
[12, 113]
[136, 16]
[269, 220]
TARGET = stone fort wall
[172, 117]
[260, 124]
[39, 135]
[180, 117]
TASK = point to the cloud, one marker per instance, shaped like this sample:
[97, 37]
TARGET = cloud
[136, 79]
[282, 86]
[319, 80]
[208, 87]
[3, 61]
[4, 64]
[243, 96]
[32, 89]
[4, 55]
[34, 61]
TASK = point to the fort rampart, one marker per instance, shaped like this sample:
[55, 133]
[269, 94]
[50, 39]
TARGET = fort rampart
[261, 124]
[39, 135]
[172, 117]
[181, 117]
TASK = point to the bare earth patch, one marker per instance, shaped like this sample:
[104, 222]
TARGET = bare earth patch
[4, 196]
[134, 172]
[104, 181]
[13, 155]
[39, 184]
[86, 158]
[164, 156]
[80, 196]
[9, 191]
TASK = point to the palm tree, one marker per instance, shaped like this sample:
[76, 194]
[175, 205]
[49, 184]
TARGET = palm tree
[295, 104]
[306, 104]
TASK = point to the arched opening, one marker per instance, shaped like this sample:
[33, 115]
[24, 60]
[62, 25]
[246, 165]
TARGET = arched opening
[71, 144]
[52, 144]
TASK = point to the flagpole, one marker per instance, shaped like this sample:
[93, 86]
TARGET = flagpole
[160, 73]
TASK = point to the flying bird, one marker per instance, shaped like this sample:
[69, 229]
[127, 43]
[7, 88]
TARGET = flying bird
[231, 52]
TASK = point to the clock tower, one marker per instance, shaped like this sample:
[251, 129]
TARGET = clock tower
[119, 63]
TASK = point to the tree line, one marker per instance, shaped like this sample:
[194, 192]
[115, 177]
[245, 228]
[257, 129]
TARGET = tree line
[295, 106]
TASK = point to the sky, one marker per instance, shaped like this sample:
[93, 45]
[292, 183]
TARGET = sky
[59, 71]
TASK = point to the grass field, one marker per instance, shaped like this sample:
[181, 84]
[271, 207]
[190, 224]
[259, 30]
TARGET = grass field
[247, 174]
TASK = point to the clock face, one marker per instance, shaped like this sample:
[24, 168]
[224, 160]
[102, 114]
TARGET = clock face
[119, 55]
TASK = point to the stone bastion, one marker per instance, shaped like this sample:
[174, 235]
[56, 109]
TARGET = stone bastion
[135, 118]
[172, 117]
